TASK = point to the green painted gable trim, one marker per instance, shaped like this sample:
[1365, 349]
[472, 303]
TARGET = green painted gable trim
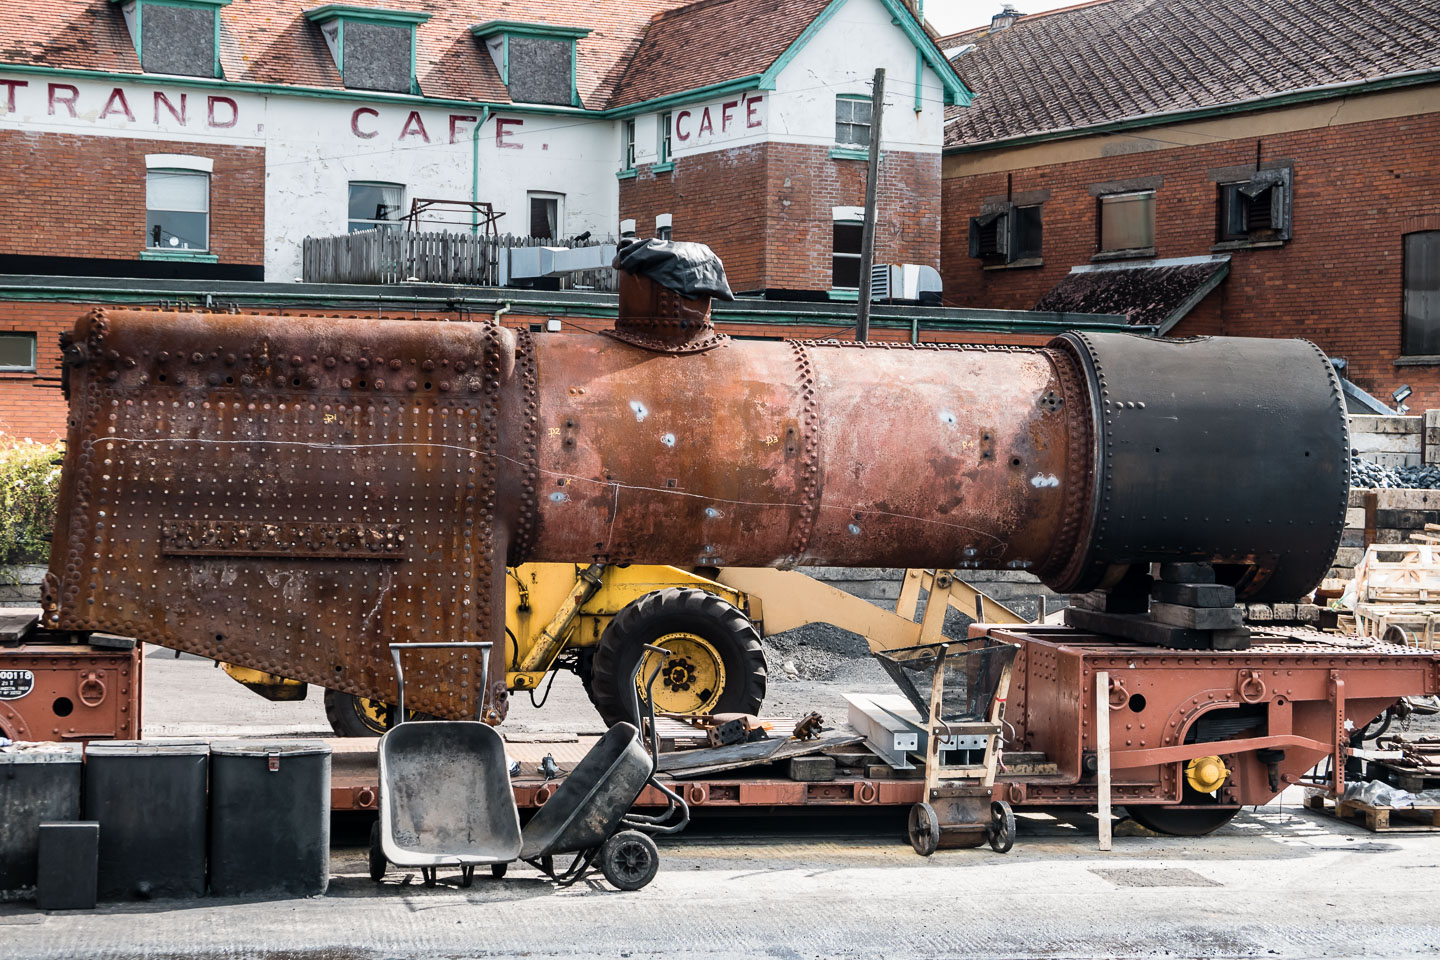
[687, 96]
[389, 18]
[551, 31]
[955, 90]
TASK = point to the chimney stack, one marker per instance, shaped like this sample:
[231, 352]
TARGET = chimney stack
[1007, 16]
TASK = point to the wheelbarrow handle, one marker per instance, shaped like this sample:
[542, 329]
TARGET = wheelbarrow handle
[484, 646]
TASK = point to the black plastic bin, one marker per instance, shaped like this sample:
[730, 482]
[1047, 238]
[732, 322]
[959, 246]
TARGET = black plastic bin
[37, 782]
[269, 818]
[149, 799]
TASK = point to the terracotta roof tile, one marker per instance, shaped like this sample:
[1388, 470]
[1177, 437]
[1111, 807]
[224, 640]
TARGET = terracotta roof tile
[1113, 60]
[269, 41]
[709, 42]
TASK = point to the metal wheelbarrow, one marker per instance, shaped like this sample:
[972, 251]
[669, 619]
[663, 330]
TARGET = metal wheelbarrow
[589, 814]
[445, 796]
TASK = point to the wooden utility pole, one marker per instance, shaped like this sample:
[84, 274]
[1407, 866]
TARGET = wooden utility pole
[872, 179]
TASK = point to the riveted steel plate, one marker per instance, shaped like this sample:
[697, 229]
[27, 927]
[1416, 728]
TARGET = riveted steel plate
[289, 494]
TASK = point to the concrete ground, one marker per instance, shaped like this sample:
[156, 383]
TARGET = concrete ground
[1279, 881]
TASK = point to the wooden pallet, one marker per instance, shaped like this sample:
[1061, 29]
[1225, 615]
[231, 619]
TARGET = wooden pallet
[1421, 819]
[1398, 585]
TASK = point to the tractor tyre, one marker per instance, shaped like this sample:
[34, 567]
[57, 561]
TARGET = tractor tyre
[352, 716]
[715, 664]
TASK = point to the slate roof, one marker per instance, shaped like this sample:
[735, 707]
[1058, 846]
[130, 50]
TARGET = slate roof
[1116, 60]
[1156, 293]
[636, 49]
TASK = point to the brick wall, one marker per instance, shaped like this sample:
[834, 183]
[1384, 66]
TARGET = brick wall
[84, 196]
[1358, 189]
[766, 209]
[31, 405]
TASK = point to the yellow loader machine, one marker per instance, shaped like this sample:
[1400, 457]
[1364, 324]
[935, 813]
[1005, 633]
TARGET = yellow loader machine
[595, 621]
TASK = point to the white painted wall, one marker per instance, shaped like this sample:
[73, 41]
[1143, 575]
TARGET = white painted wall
[841, 58]
[315, 146]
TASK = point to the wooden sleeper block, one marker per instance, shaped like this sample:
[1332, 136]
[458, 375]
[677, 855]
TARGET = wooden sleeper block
[1196, 618]
[1193, 594]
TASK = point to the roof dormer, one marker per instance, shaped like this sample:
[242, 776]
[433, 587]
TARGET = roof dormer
[178, 37]
[536, 60]
[373, 48]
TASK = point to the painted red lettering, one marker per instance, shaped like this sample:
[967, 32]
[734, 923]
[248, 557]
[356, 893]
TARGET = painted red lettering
[355, 123]
[455, 120]
[10, 93]
[68, 102]
[117, 96]
[679, 119]
[210, 117]
[413, 126]
[502, 134]
[179, 115]
[725, 109]
[705, 125]
[751, 120]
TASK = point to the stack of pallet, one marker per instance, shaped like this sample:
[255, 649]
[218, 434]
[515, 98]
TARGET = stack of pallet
[1396, 592]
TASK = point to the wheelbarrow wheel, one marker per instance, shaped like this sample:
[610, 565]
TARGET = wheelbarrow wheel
[924, 829]
[629, 860]
[497, 870]
[1001, 831]
[378, 863]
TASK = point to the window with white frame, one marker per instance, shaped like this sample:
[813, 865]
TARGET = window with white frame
[376, 206]
[666, 126]
[546, 215]
[852, 120]
[177, 210]
[17, 352]
[662, 226]
[627, 153]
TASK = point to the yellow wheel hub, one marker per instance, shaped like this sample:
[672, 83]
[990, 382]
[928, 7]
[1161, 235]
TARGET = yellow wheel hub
[372, 713]
[1206, 774]
[692, 674]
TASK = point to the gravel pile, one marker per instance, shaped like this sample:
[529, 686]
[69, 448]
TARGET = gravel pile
[1364, 473]
[819, 651]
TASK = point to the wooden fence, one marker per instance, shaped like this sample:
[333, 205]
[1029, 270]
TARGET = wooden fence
[393, 256]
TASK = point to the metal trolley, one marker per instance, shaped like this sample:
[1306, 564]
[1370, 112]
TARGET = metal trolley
[959, 688]
[446, 800]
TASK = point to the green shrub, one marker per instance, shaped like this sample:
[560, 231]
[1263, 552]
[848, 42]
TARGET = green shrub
[29, 483]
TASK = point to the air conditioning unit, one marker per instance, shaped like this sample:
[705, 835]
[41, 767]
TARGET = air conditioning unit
[912, 283]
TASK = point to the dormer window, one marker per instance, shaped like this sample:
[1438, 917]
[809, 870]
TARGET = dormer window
[373, 49]
[536, 60]
[178, 37]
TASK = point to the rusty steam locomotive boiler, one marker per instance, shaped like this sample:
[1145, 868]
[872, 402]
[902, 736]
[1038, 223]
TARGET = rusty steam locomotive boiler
[293, 493]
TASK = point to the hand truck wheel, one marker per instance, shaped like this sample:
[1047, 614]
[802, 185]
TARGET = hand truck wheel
[629, 860]
[1002, 827]
[924, 829]
[378, 863]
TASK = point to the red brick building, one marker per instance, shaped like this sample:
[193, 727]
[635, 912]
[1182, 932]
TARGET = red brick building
[1257, 168]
